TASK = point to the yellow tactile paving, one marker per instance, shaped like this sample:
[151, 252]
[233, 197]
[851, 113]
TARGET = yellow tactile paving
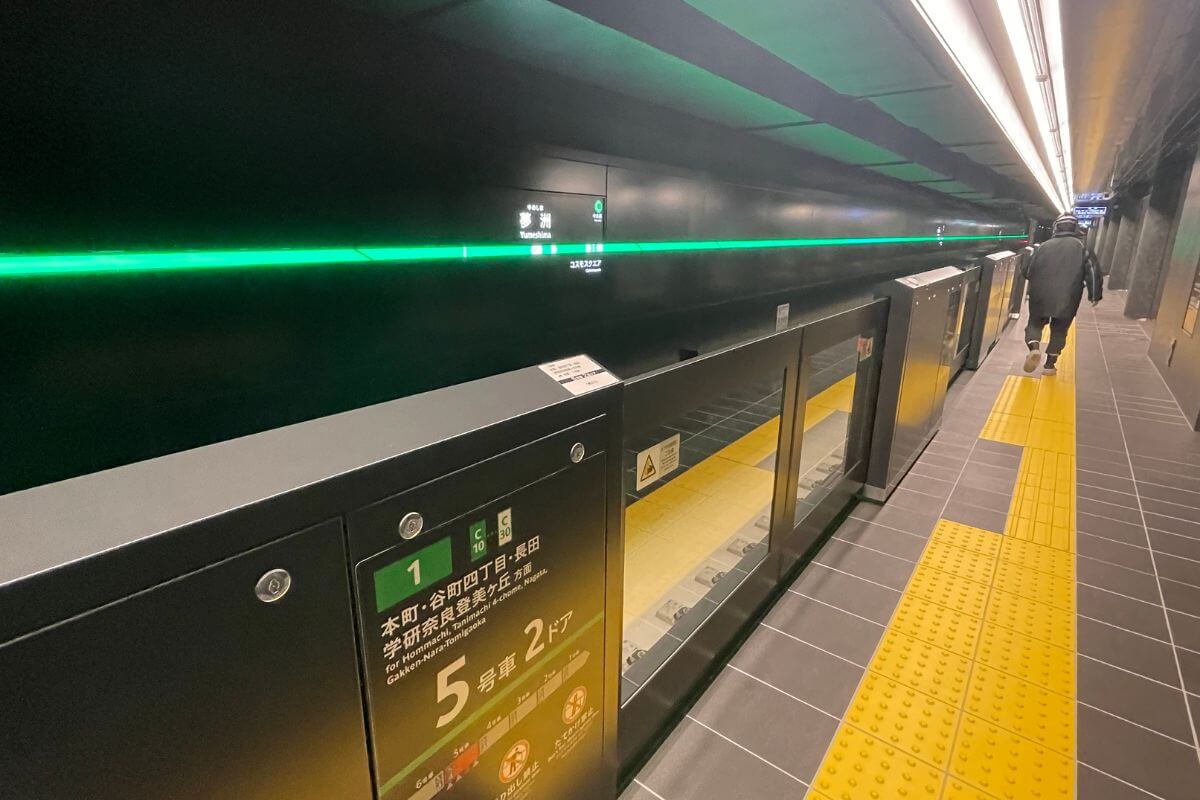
[907, 719]
[984, 635]
[1022, 707]
[859, 765]
[969, 538]
[947, 589]
[933, 670]
[944, 627]
[1009, 766]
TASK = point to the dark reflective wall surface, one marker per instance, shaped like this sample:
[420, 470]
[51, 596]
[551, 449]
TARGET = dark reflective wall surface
[178, 125]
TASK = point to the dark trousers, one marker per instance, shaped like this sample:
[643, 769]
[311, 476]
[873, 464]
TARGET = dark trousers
[1058, 332]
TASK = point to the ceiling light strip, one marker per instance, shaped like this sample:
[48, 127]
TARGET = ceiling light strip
[25, 265]
[954, 25]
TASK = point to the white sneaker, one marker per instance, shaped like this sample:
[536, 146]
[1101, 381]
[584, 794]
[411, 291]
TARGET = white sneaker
[1033, 359]
[1050, 371]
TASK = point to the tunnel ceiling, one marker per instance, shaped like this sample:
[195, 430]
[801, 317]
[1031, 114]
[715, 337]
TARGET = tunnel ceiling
[864, 85]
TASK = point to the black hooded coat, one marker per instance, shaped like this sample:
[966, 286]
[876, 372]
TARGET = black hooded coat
[1058, 273]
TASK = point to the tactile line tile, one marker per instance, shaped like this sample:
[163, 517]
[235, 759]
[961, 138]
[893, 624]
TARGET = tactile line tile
[907, 719]
[947, 589]
[940, 626]
[957, 561]
[977, 540]
[1040, 586]
[927, 668]
[1010, 766]
[1022, 707]
[859, 765]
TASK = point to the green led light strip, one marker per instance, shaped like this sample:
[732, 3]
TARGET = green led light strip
[25, 265]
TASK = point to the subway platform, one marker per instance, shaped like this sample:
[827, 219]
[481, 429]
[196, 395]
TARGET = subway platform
[1021, 619]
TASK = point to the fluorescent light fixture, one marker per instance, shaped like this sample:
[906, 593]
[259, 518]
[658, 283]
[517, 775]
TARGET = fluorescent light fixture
[1030, 27]
[28, 265]
[954, 24]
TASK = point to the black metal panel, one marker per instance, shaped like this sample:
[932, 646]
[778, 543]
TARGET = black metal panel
[195, 689]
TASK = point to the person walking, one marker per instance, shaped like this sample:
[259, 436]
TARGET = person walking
[1058, 272]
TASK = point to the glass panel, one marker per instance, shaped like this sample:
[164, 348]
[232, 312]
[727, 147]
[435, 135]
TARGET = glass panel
[698, 494]
[832, 379]
[1193, 306]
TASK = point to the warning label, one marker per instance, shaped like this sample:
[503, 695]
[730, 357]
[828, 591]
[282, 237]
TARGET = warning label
[578, 374]
[657, 462]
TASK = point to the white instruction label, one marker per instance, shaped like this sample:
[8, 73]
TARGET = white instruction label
[783, 313]
[578, 374]
[657, 462]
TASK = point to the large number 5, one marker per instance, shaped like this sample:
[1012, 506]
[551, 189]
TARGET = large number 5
[457, 689]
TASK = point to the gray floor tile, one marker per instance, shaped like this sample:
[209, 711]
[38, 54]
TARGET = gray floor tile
[923, 484]
[1155, 763]
[636, 792]
[1124, 555]
[992, 458]
[1104, 481]
[1104, 450]
[888, 540]
[1173, 524]
[1177, 569]
[846, 591]
[911, 500]
[1104, 466]
[1087, 494]
[975, 516]
[1122, 611]
[1147, 657]
[990, 480]
[1181, 597]
[1173, 475]
[900, 518]
[863, 563]
[1186, 630]
[984, 498]
[944, 462]
[1013, 452]
[1119, 579]
[1106, 509]
[769, 723]
[1095, 785]
[828, 628]
[1090, 519]
[697, 764]
[1152, 491]
[1158, 707]
[1189, 512]
[1189, 667]
[799, 669]
[1174, 544]
[929, 471]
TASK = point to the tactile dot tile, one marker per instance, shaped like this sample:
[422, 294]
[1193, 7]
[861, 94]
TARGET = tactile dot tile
[1039, 620]
[958, 790]
[967, 537]
[1022, 707]
[860, 767]
[922, 666]
[904, 718]
[1009, 766]
[1039, 557]
[1025, 657]
[956, 560]
[949, 629]
[1017, 397]
[1040, 586]
[947, 589]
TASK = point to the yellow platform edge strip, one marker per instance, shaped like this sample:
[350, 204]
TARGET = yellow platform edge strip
[971, 691]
